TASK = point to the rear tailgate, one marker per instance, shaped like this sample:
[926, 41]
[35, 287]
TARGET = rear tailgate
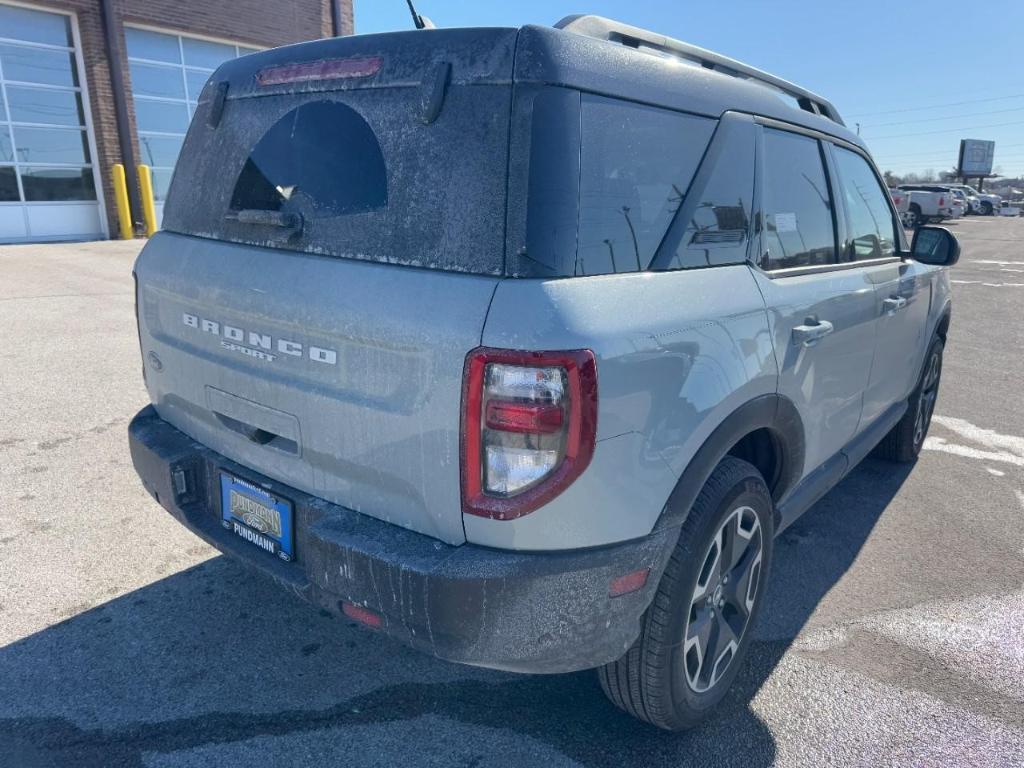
[277, 326]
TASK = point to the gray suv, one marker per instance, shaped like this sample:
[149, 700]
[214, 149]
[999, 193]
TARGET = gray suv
[522, 345]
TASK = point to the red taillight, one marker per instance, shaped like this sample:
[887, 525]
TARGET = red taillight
[325, 69]
[524, 417]
[942, 201]
[528, 428]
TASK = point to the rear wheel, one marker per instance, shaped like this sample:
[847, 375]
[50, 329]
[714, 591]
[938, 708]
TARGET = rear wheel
[905, 440]
[696, 632]
[986, 208]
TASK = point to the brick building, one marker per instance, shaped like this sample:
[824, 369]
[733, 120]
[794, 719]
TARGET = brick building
[85, 84]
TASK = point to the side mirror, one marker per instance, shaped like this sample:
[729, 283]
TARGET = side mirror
[935, 245]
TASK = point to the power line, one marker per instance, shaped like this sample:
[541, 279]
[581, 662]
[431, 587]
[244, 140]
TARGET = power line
[945, 130]
[942, 155]
[932, 152]
[934, 106]
[937, 119]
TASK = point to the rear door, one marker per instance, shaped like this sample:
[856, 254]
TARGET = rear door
[333, 237]
[821, 311]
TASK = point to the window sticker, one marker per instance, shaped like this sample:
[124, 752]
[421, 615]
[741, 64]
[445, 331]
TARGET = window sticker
[785, 222]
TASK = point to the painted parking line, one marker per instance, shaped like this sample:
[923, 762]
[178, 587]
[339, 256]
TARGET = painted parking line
[987, 285]
[977, 443]
[998, 262]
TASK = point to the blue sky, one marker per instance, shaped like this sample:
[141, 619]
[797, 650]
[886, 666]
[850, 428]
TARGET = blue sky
[918, 75]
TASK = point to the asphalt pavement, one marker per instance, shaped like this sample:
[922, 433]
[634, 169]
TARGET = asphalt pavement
[893, 632]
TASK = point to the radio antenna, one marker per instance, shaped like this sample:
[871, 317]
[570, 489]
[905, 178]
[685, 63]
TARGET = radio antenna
[421, 22]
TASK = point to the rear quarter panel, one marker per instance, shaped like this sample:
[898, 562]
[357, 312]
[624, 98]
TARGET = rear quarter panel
[677, 352]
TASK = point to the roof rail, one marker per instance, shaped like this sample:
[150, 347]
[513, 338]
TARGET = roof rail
[635, 37]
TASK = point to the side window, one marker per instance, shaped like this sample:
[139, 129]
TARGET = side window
[636, 163]
[797, 205]
[871, 224]
[718, 206]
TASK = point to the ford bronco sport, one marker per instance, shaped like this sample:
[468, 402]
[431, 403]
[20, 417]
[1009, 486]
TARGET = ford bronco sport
[522, 345]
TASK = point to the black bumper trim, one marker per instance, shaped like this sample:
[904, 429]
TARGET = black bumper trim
[521, 611]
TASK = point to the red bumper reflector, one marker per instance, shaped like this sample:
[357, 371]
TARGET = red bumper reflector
[362, 615]
[631, 582]
[325, 69]
[524, 417]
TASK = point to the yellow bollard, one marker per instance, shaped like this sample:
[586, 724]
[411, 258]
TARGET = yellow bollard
[124, 211]
[148, 207]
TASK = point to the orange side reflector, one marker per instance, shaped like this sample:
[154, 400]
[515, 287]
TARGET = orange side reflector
[631, 582]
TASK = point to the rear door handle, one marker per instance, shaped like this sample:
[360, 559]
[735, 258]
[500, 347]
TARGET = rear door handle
[893, 304]
[811, 333]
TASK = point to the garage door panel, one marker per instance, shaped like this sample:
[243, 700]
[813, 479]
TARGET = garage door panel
[63, 220]
[44, 139]
[12, 223]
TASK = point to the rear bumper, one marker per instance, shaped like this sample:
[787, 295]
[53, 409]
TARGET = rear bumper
[518, 611]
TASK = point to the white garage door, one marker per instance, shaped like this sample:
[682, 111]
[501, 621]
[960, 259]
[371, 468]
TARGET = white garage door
[48, 189]
[168, 71]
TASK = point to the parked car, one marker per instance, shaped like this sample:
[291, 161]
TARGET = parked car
[960, 206]
[528, 365]
[900, 201]
[928, 203]
[982, 204]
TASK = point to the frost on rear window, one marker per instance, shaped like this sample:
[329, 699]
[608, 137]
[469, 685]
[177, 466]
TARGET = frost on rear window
[320, 160]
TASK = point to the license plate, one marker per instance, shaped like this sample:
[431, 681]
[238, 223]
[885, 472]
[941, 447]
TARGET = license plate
[257, 516]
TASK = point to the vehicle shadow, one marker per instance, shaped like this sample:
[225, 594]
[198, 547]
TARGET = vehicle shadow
[216, 655]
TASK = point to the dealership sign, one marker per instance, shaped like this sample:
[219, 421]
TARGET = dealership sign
[976, 157]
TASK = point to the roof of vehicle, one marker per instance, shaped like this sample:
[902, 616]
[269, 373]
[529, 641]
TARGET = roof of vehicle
[615, 67]
[647, 41]
[624, 62]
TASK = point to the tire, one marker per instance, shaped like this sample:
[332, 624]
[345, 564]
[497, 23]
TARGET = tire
[912, 217]
[903, 443]
[662, 679]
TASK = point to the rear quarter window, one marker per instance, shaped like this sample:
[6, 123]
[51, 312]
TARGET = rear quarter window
[636, 163]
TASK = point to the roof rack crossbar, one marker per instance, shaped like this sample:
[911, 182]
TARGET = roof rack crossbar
[635, 37]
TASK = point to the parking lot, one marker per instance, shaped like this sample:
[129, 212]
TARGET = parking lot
[892, 633]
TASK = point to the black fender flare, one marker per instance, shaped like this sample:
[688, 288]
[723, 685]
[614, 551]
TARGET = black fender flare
[773, 412]
[942, 323]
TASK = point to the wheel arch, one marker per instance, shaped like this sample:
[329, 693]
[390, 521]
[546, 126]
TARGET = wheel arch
[766, 431]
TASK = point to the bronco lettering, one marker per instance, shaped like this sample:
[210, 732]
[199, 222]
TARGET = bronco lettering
[263, 341]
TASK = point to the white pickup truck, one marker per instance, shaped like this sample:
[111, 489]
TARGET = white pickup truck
[981, 203]
[901, 200]
[927, 203]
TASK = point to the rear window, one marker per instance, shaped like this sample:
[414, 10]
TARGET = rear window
[319, 160]
[354, 174]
